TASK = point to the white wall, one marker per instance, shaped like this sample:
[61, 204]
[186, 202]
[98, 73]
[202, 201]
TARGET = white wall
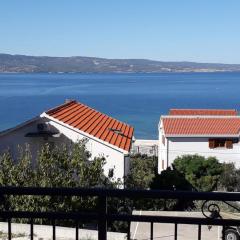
[114, 158]
[16, 139]
[162, 151]
[176, 146]
[180, 146]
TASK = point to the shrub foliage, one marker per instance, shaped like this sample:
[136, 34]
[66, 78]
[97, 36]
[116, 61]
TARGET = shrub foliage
[59, 167]
[203, 173]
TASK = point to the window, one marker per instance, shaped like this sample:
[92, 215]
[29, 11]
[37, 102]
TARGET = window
[222, 142]
[111, 172]
[229, 144]
[211, 143]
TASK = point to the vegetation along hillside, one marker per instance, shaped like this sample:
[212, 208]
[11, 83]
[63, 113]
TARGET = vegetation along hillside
[32, 64]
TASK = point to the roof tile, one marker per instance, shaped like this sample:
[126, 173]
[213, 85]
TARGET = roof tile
[201, 125]
[97, 124]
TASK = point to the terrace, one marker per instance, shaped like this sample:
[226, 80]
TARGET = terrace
[210, 204]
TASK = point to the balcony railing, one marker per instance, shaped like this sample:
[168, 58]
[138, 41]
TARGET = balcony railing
[102, 216]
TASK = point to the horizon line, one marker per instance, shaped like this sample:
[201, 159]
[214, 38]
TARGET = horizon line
[147, 59]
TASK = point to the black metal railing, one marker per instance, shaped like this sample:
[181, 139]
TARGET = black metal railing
[102, 216]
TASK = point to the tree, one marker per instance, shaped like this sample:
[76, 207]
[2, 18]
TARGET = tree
[65, 166]
[23, 173]
[142, 171]
[171, 179]
[6, 169]
[203, 173]
[230, 178]
[59, 167]
[70, 167]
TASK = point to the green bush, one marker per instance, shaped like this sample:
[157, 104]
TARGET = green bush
[59, 167]
[142, 171]
[203, 173]
[230, 178]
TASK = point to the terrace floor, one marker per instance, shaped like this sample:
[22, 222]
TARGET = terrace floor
[165, 231]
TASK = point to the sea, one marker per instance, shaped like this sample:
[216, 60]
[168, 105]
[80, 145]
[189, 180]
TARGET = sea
[137, 99]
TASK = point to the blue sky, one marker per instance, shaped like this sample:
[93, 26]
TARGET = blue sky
[168, 30]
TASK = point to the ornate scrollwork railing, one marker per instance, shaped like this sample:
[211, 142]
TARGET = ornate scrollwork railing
[212, 210]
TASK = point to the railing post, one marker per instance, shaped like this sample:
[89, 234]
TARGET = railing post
[102, 218]
[9, 229]
[151, 235]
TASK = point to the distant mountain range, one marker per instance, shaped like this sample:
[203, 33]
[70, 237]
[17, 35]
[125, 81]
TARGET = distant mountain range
[32, 64]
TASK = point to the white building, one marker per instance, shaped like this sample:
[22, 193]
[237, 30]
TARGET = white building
[72, 122]
[203, 132]
[143, 146]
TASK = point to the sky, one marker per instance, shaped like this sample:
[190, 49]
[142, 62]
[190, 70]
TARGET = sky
[166, 30]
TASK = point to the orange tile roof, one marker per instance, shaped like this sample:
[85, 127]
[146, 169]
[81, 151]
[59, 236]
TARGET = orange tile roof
[97, 124]
[220, 112]
[225, 126]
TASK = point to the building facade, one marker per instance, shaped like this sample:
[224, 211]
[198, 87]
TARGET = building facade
[197, 131]
[69, 123]
[145, 147]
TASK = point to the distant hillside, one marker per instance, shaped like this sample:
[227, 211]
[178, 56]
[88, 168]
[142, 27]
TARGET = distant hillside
[32, 64]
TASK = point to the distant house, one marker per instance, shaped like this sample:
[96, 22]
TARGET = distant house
[145, 147]
[199, 131]
[71, 122]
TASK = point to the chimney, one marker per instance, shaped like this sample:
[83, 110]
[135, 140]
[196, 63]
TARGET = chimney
[69, 100]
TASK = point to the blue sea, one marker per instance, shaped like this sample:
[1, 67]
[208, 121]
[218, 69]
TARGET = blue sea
[138, 99]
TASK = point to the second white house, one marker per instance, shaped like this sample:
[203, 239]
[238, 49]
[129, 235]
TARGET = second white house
[204, 132]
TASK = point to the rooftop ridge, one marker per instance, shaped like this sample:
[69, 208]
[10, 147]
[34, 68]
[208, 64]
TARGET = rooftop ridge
[208, 109]
[202, 116]
[203, 111]
[59, 107]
